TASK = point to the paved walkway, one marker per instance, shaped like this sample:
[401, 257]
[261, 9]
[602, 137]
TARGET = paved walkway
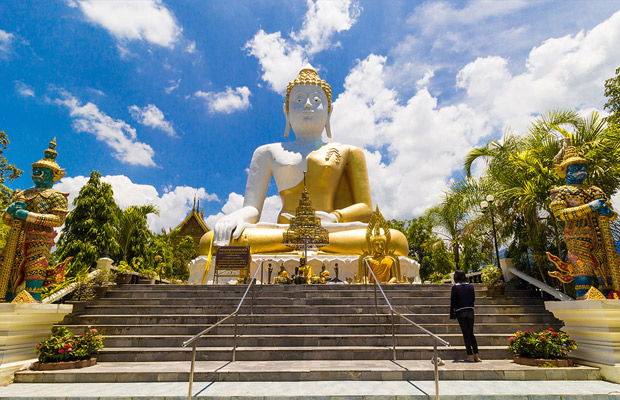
[319, 390]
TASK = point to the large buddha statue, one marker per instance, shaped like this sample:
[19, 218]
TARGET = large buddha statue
[337, 181]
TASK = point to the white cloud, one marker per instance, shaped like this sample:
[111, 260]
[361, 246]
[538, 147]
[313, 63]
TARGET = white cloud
[413, 147]
[116, 133]
[147, 20]
[566, 72]
[23, 89]
[173, 85]
[435, 16]
[153, 117]
[227, 101]
[173, 205]
[6, 39]
[271, 209]
[420, 142]
[191, 48]
[281, 59]
[323, 19]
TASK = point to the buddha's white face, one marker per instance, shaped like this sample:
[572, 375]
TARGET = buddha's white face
[307, 110]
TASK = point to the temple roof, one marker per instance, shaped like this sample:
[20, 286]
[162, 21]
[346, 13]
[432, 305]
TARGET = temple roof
[193, 225]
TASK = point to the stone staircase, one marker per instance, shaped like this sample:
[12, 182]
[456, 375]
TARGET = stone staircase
[148, 323]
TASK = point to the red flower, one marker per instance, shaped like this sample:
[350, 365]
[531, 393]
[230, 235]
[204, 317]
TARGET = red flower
[510, 339]
[67, 345]
[69, 349]
[38, 346]
[543, 338]
[94, 330]
[555, 334]
[61, 351]
[550, 329]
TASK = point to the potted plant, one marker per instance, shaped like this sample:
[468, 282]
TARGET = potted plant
[147, 277]
[492, 277]
[542, 348]
[123, 273]
[64, 350]
[101, 283]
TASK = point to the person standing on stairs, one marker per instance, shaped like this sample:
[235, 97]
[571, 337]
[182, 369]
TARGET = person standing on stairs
[462, 309]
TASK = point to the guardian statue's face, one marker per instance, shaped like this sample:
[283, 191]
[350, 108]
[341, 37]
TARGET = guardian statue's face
[576, 173]
[42, 177]
[307, 109]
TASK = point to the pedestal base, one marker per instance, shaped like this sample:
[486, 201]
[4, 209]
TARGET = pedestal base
[595, 326]
[25, 325]
[347, 266]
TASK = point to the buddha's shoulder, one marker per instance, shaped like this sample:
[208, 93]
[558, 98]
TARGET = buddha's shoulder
[345, 148]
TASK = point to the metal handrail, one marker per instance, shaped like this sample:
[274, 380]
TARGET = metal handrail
[426, 331]
[235, 313]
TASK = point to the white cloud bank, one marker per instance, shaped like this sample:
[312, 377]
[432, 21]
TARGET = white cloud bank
[145, 20]
[227, 101]
[116, 133]
[152, 116]
[413, 147]
[173, 205]
[281, 59]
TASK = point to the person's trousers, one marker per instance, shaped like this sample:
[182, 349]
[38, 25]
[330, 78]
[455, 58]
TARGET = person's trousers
[466, 321]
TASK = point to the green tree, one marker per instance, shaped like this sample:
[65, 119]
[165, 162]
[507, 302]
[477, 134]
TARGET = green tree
[612, 92]
[520, 173]
[133, 235]
[418, 231]
[89, 228]
[8, 172]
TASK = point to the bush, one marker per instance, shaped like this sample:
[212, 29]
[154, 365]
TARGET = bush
[545, 344]
[63, 345]
[492, 275]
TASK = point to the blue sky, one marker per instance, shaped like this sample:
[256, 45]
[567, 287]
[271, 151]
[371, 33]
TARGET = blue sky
[168, 99]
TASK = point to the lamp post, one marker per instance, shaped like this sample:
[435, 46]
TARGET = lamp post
[487, 205]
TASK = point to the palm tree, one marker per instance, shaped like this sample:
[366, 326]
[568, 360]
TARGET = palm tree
[521, 171]
[131, 226]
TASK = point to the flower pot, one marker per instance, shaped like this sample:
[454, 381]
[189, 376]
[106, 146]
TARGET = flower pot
[100, 291]
[536, 362]
[39, 366]
[122, 279]
[146, 281]
[495, 291]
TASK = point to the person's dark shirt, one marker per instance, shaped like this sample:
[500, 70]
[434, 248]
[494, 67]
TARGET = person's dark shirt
[462, 297]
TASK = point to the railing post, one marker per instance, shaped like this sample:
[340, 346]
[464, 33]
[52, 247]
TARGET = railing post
[436, 370]
[191, 372]
[235, 338]
[252, 303]
[376, 303]
[393, 338]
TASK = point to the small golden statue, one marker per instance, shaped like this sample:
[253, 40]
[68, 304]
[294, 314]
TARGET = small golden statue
[32, 216]
[283, 277]
[324, 275]
[380, 258]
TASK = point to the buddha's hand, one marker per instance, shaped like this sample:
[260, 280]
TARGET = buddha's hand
[226, 226]
[325, 217]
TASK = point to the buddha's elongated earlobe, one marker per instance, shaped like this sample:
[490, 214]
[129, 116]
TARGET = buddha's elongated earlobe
[327, 127]
[287, 129]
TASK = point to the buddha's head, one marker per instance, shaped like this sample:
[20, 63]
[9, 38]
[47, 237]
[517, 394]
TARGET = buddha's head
[378, 244]
[308, 104]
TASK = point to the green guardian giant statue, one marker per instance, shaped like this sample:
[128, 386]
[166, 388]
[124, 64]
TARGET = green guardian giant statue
[586, 212]
[32, 216]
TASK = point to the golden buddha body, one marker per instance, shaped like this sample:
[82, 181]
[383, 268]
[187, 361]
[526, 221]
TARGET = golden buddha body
[336, 180]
